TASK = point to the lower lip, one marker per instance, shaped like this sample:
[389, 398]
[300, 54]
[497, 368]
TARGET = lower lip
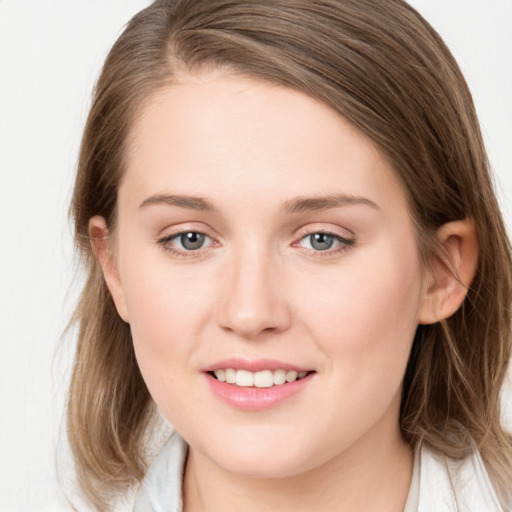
[256, 399]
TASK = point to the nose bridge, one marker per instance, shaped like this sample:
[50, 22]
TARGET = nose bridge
[254, 299]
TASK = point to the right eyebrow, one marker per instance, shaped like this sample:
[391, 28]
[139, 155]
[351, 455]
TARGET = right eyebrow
[190, 202]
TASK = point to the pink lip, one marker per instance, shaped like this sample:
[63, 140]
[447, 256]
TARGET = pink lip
[253, 366]
[252, 398]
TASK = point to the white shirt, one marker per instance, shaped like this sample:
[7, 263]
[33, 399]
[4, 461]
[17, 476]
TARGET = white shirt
[439, 484]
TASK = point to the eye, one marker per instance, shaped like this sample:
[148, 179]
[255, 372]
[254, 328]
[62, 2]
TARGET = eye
[325, 242]
[187, 241]
[320, 241]
[191, 241]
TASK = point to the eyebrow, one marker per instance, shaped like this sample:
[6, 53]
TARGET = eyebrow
[325, 202]
[298, 205]
[192, 203]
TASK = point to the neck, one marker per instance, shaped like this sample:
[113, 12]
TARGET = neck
[373, 475]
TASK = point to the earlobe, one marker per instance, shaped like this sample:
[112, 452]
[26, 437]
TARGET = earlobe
[452, 273]
[99, 235]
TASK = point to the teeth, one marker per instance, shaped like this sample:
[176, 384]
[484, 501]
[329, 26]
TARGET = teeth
[244, 379]
[221, 375]
[263, 379]
[230, 376]
[291, 376]
[279, 377]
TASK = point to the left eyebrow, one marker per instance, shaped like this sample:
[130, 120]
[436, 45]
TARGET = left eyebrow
[325, 202]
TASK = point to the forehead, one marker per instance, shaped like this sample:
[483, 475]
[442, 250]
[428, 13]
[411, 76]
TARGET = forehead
[216, 134]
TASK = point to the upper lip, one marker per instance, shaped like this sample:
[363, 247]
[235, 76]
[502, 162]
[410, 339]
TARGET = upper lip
[254, 365]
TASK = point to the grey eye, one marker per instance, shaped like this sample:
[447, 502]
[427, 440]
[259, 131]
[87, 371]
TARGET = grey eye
[191, 241]
[321, 241]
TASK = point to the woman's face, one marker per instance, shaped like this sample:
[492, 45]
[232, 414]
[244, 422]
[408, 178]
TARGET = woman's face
[261, 236]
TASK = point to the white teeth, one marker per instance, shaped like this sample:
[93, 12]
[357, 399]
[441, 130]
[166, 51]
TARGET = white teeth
[279, 377]
[261, 379]
[291, 376]
[244, 378]
[264, 379]
[221, 375]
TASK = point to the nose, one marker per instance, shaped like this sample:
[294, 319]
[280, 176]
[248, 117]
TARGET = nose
[254, 300]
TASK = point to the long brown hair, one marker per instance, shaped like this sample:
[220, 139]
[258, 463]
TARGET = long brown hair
[380, 65]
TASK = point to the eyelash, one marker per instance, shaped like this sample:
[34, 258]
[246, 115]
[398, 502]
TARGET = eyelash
[345, 244]
[165, 242]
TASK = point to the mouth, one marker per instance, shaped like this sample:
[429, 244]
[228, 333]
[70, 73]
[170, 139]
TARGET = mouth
[259, 379]
[257, 384]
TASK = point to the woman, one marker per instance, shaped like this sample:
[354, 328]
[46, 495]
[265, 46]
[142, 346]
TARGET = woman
[296, 254]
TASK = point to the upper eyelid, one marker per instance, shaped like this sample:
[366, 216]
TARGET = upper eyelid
[177, 234]
[328, 233]
[343, 241]
[304, 231]
[172, 231]
[171, 236]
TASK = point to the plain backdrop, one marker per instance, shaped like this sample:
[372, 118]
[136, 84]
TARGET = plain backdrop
[50, 55]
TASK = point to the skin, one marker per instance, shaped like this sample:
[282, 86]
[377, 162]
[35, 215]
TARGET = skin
[257, 289]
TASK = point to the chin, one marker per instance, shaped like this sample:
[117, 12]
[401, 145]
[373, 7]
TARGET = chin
[263, 457]
[261, 467]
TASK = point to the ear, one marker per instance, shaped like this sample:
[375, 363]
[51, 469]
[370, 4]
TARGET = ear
[99, 235]
[451, 274]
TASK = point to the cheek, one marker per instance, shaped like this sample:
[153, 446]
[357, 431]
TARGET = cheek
[161, 297]
[365, 323]
[365, 315]
[163, 323]
[165, 310]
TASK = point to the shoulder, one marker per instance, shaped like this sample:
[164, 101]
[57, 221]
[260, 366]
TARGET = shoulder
[449, 485]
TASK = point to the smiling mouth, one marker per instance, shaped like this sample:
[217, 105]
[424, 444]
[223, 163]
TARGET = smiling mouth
[261, 379]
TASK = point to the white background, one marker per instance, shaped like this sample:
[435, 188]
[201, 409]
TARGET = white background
[50, 55]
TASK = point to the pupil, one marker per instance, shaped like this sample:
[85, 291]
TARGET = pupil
[192, 241]
[321, 241]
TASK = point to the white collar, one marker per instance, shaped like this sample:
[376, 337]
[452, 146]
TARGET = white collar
[439, 484]
[449, 485]
[160, 490]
